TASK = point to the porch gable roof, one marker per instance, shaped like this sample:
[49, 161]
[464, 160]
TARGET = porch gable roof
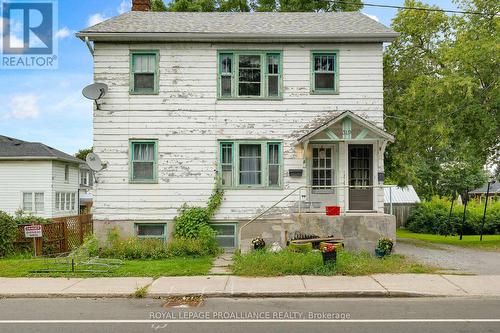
[347, 114]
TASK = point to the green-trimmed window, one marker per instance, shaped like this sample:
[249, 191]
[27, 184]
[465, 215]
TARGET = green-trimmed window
[143, 161]
[151, 230]
[250, 74]
[324, 76]
[226, 234]
[144, 72]
[249, 164]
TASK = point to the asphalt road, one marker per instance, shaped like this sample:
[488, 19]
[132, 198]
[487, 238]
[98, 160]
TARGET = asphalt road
[388, 315]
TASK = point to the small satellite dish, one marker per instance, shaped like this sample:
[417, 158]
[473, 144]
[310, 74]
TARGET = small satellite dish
[95, 91]
[94, 162]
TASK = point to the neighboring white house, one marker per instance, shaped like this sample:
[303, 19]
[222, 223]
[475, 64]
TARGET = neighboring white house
[86, 185]
[37, 179]
[265, 102]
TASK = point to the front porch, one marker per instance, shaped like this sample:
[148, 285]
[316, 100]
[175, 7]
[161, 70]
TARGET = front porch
[343, 163]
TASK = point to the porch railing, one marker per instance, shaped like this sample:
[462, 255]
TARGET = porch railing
[309, 188]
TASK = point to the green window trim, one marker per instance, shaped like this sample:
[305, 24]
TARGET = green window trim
[156, 72]
[264, 155]
[132, 144]
[269, 71]
[334, 71]
[163, 237]
[234, 236]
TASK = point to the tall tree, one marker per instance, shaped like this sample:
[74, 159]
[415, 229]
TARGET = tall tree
[441, 93]
[158, 6]
[262, 5]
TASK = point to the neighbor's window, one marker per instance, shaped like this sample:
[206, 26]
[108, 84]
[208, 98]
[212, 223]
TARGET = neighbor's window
[250, 164]
[324, 72]
[250, 74]
[33, 201]
[151, 230]
[144, 72]
[65, 201]
[143, 161]
[66, 173]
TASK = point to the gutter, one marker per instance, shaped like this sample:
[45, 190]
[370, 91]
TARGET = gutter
[40, 158]
[225, 37]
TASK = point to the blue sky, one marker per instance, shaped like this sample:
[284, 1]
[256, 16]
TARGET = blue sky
[47, 105]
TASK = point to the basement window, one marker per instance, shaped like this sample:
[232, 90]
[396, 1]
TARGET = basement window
[226, 234]
[151, 230]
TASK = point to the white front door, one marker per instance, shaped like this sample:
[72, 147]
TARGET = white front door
[322, 175]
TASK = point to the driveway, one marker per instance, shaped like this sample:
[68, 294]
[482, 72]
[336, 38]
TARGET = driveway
[451, 259]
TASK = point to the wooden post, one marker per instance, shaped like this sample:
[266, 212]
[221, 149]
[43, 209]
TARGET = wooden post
[65, 235]
[38, 246]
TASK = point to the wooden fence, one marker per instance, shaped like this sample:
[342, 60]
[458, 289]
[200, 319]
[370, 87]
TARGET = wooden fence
[401, 211]
[63, 234]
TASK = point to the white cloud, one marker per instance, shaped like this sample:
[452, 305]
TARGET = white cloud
[373, 17]
[24, 106]
[125, 6]
[63, 33]
[95, 19]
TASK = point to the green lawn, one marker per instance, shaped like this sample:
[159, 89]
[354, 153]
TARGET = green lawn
[489, 243]
[262, 263]
[16, 267]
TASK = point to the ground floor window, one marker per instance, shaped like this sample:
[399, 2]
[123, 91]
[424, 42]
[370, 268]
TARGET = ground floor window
[33, 202]
[251, 164]
[65, 201]
[151, 230]
[226, 234]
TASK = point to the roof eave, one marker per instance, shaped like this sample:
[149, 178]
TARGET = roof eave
[206, 37]
[40, 158]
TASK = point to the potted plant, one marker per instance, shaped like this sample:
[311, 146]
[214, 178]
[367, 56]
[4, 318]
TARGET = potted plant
[384, 247]
[258, 243]
[329, 253]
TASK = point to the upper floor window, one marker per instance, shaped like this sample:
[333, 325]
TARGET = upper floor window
[86, 178]
[144, 72]
[66, 173]
[143, 161]
[250, 74]
[324, 75]
[250, 164]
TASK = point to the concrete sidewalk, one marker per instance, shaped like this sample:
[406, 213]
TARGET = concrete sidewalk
[381, 285]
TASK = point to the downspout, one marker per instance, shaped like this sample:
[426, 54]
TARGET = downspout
[89, 46]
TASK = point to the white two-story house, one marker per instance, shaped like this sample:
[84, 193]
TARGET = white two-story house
[283, 110]
[36, 179]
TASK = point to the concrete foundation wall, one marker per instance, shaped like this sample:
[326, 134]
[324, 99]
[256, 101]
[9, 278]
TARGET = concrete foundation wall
[359, 231]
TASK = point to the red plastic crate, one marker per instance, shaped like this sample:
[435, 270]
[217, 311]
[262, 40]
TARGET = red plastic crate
[333, 210]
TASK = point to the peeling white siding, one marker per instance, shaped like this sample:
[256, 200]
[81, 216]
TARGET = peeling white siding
[187, 119]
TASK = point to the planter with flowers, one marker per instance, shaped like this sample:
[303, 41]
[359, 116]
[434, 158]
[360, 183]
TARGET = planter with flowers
[258, 243]
[329, 253]
[384, 247]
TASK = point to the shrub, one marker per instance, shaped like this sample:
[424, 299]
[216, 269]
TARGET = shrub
[8, 233]
[432, 217]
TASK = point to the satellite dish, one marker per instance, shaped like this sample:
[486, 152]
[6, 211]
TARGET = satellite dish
[95, 91]
[94, 162]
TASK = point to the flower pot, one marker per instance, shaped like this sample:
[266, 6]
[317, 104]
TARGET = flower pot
[380, 253]
[329, 257]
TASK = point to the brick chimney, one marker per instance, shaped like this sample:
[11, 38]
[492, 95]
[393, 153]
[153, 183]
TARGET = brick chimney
[141, 5]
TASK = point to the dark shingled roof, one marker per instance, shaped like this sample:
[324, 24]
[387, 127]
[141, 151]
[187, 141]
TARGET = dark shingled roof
[494, 188]
[14, 149]
[254, 24]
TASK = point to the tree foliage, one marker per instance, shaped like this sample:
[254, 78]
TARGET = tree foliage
[82, 153]
[441, 96]
[261, 6]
